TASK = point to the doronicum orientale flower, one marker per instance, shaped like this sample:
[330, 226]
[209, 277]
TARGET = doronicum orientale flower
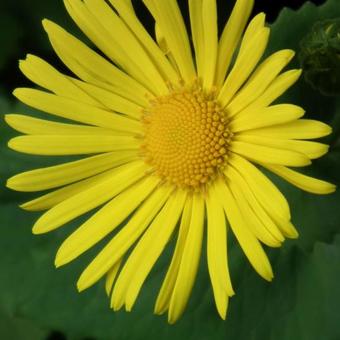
[172, 143]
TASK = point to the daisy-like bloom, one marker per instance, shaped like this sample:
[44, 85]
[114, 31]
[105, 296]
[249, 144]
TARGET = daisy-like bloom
[173, 145]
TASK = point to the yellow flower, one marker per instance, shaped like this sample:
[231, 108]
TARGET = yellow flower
[173, 141]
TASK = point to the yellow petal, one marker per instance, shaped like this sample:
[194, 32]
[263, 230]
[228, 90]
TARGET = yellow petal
[164, 296]
[238, 181]
[124, 239]
[310, 184]
[265, 73]
[248, 242]
[110, 277]
[254, 224]
[277, 87]
[35, 126]
[163, 45]
[90, 198]
[107, 30]
[299, 129]
[254, 27]
[72, 145]
[196, 23]
[43, 74]
[103, 38]
[210, 34]
[151, 246]
[190, 261]
[110, 100]
[268, 196]
[261, 186]
[230, 37]
[286, 227]
[147, 251]
[91, 67]
[217, 253]
[126, 12]
[311, 149]
[105, 220]
[126, 3]
[46, 76]
[260, 153]
[59, 175]
[76, 111]
[53, 198]
[272, 115]
[168, 16]
[244, 66]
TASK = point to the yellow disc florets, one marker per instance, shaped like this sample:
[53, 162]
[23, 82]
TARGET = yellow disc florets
[186, 137]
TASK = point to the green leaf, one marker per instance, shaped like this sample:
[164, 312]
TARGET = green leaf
[319, 56]
[16, 328]
[288, 31]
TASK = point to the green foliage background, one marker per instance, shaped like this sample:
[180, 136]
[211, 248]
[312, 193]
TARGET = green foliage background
[302, 303]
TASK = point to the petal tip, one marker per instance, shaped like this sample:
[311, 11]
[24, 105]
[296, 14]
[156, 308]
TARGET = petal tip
[171, 320]
[261, 15]
[11, 144]
[298, 72]
[80, 286]
[9, 183]
[115, 305]
[36, 231]
[48, 25]
[223, 316]
[28, 206]
[158, 309]
[39, 228]
[46, 22]
[331, 188]
[329, 130]
[23, 206]
[62, 257]
[16, 92]
[293, 234]
[128, 308]
[222, 309]
[231, 293]
[58, 261]
[8, 118]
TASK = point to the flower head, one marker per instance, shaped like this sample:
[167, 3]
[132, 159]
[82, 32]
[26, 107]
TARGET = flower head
[172, 145]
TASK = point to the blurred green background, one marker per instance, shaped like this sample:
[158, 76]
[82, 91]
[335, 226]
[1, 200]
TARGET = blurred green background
[38, 302]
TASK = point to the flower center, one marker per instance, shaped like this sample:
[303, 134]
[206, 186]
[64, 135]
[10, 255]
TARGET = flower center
[186, 137]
